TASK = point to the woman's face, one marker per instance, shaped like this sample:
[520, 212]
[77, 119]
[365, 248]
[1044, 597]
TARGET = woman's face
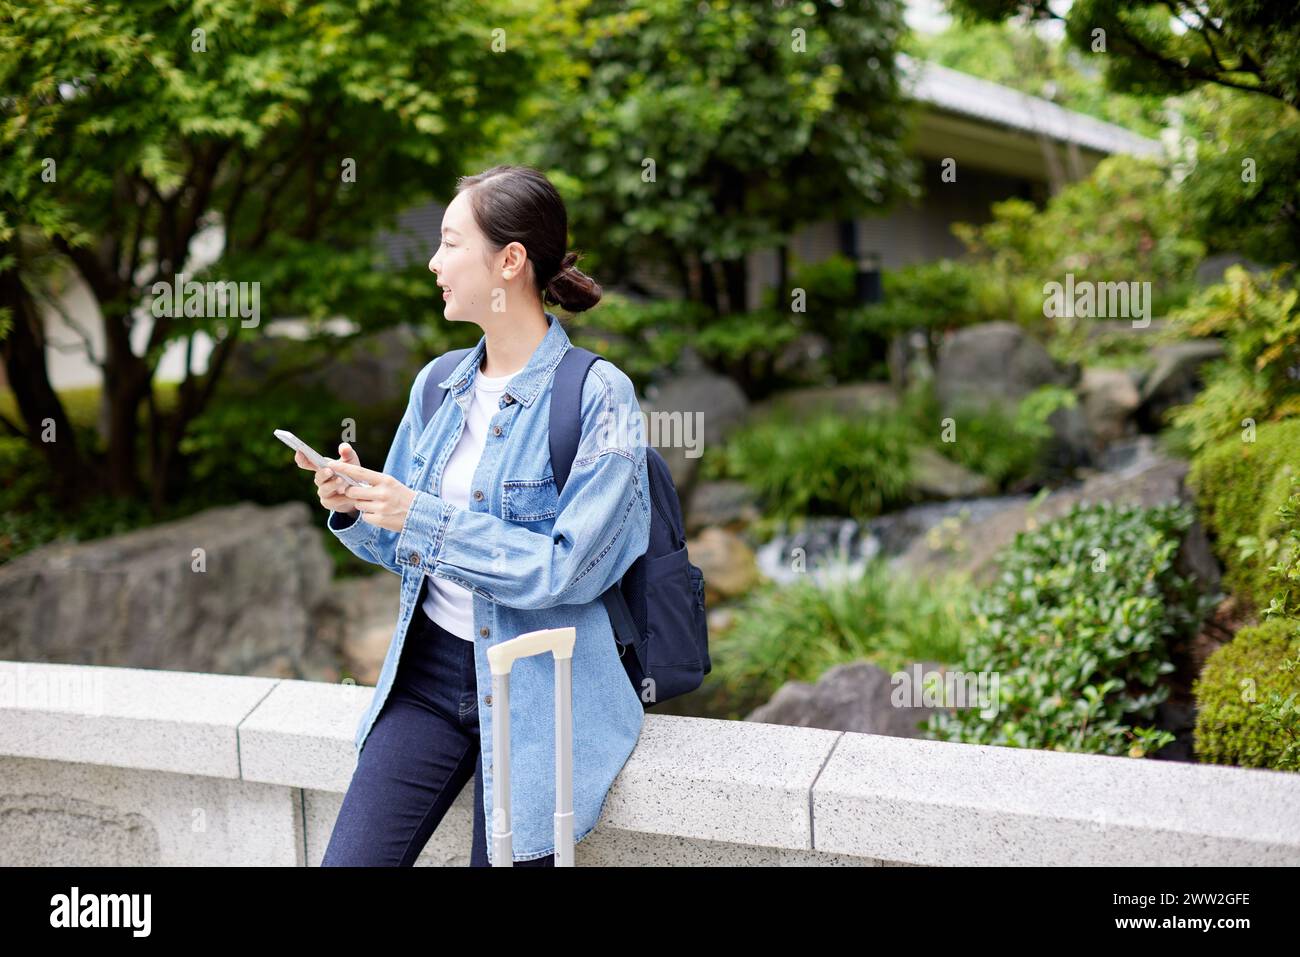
[471, 279]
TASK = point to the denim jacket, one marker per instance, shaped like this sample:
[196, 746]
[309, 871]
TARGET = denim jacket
[532, 558]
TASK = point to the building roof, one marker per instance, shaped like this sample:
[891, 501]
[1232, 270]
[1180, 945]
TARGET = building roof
[957, 92]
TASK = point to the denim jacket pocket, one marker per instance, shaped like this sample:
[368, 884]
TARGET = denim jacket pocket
[530, 500]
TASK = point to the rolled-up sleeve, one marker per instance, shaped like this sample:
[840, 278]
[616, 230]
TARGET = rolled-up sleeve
[601, 527]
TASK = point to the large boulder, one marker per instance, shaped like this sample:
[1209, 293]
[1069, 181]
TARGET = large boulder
[688, 412]
[726, 503]
[229, 590]
[1175, 378]
[728, 564]
[852, 697]
[1109, 401]
[369, 370]
[1149, 478]
[846, 399]
[936, 476]
[993, 361]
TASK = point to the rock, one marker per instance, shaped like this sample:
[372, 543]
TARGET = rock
[727, 563]
[725, 503]
[1109, 401]
[374, 369]
[909, 359]
[993, 362]
[369, 607]
[1211, 269]
[937, 477]
[146, 599]
[848, 399]
[803, 359]
[688, 412]
[1152, 479]
[1175, 378]
[1069, 446]
[849, 697]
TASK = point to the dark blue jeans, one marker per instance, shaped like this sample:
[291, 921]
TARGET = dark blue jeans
[418, 756]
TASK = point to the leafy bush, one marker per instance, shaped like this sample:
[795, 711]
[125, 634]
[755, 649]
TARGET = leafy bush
[939, 295]
[1239, 487]
[827, 465]
[1005, 444]
[642, 339]
[1076, 627]
[1246, 699]
[1247, 711]
[1124, 222]
[796, 632]
[1259, 377]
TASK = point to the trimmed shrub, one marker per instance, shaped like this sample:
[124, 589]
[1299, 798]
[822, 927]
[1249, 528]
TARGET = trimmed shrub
[1077, 627]
[1239, 487]
[1246, 698]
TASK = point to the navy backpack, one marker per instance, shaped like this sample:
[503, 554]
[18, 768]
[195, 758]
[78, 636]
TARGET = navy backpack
[657, 608]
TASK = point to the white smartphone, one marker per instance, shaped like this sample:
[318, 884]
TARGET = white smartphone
[314, 457]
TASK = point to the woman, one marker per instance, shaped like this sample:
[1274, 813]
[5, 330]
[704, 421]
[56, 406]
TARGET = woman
[467, 512]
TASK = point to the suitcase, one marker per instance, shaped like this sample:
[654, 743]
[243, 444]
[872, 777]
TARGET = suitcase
[501, 658]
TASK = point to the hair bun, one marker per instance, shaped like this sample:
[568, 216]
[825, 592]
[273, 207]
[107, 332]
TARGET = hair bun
[571, 288]
[567, 262]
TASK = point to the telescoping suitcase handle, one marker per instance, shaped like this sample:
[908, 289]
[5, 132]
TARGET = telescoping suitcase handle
[501, 658]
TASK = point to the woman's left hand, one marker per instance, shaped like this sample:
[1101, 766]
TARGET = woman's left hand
[384, 503]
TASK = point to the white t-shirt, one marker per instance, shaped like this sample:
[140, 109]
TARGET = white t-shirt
[447, 603]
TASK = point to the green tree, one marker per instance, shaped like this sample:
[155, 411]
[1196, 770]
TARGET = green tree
[1242, 182]
[699, 132]
[160, 118]
[1173, 46]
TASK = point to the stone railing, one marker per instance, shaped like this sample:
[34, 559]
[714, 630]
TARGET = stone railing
[124, 766]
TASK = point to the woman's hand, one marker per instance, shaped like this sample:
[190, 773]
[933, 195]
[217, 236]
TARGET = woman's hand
[386, 501]
[329, 487]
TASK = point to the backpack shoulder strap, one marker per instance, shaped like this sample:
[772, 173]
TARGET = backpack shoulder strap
[439, 369]
[566, 410]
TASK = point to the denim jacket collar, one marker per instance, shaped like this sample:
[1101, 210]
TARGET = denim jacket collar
[528, 381]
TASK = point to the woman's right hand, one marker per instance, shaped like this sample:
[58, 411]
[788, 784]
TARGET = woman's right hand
[329, 484]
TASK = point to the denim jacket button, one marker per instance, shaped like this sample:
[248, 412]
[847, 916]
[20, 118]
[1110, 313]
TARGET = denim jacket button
[415, 558]
[488, 701]
[496, 430]
[483, 631]
[478, 495]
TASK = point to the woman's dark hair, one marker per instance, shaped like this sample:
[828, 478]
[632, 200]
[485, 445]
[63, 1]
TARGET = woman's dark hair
[519, 204]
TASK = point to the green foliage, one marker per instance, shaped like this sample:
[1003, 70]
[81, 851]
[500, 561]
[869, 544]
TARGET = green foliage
[1259, 377]
[1077, 628]
[1243, 188]
[1246, 699]
[1239, 487]
[642, 338]
[1161, 48]
[165, 117]
[939, 295]
[1124, 223]
[796, 632]
[746, 345]
[826, 465]
[1247, 694]
[1005, 443]
[750, 135]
